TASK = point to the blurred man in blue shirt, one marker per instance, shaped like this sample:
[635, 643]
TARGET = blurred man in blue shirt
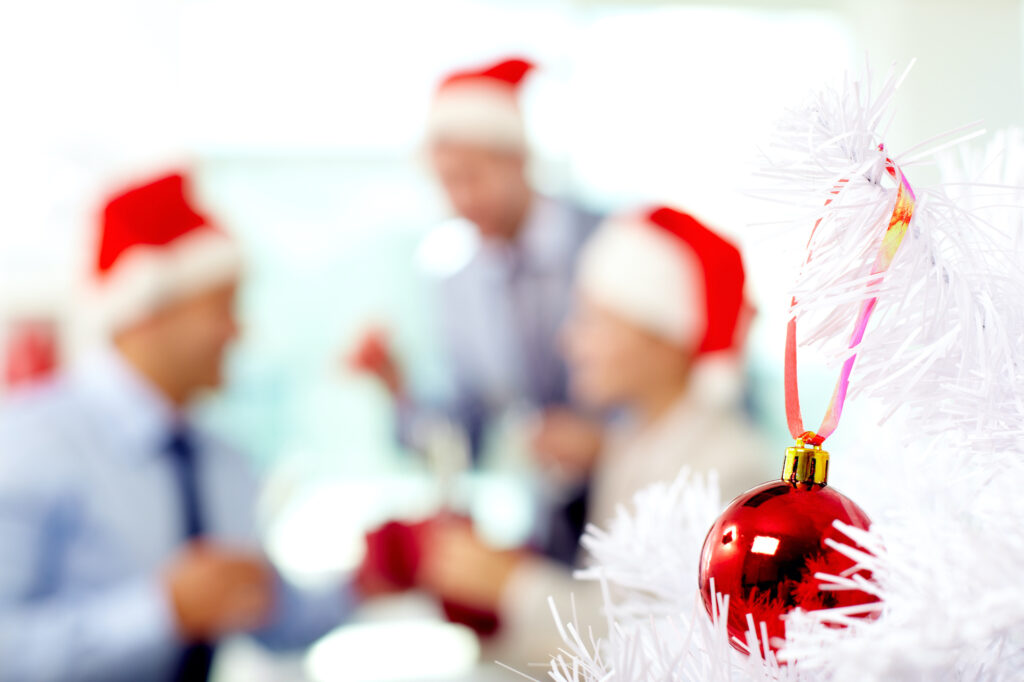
[499, 315]
[128, 534]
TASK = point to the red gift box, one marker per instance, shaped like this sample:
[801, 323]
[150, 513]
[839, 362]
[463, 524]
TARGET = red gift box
[393, 555]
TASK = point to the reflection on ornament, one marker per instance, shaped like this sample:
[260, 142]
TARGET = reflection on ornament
[766, 547]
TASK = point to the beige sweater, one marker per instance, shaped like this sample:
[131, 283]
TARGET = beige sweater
[692, 433]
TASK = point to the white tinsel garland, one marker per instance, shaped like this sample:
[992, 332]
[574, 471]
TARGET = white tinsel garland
[936, 349]
[659, 630]
[943, 359]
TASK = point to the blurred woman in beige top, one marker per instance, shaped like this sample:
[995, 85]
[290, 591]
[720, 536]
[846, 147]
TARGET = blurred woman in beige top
[657, 333]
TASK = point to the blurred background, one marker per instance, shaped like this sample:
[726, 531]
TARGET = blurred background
[303, 121]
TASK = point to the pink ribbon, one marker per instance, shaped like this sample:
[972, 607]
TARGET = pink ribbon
[898, 223]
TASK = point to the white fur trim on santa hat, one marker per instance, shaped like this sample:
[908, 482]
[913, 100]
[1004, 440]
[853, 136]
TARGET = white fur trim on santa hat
[146, 278]
[648, 277]
[478, 113]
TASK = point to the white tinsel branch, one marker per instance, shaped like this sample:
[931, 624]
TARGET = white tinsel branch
[943, 359]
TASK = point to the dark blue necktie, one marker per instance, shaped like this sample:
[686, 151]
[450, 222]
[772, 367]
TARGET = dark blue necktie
[196, 659]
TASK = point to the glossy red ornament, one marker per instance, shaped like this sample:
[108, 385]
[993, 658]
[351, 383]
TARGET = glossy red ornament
[766, 547]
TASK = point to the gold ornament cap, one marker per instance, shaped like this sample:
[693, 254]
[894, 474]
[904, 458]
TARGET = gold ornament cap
[805, 463]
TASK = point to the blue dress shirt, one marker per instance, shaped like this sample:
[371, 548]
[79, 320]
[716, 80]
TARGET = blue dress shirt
[90, 514]
[499, 320]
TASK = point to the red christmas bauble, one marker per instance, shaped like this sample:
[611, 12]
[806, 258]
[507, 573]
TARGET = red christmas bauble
[766, 547]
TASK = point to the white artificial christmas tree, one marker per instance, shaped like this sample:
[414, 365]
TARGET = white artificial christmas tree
[942, 361]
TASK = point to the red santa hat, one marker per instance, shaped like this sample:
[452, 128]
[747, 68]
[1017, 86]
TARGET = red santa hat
[481, 106]
[672, 276]
[155, 248]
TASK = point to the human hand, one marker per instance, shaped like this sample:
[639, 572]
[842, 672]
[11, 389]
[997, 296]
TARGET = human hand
[216, 591]
[567, 443]
[458, 567]
[372, 355]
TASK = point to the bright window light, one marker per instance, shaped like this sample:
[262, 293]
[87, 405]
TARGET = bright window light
[447, 248]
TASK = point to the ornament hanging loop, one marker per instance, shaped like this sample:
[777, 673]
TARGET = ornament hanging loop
[903, 211]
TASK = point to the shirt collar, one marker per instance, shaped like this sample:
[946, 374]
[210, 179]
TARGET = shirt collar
[685, 407]
[544, 244]
[547, 238]
[132, 406]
